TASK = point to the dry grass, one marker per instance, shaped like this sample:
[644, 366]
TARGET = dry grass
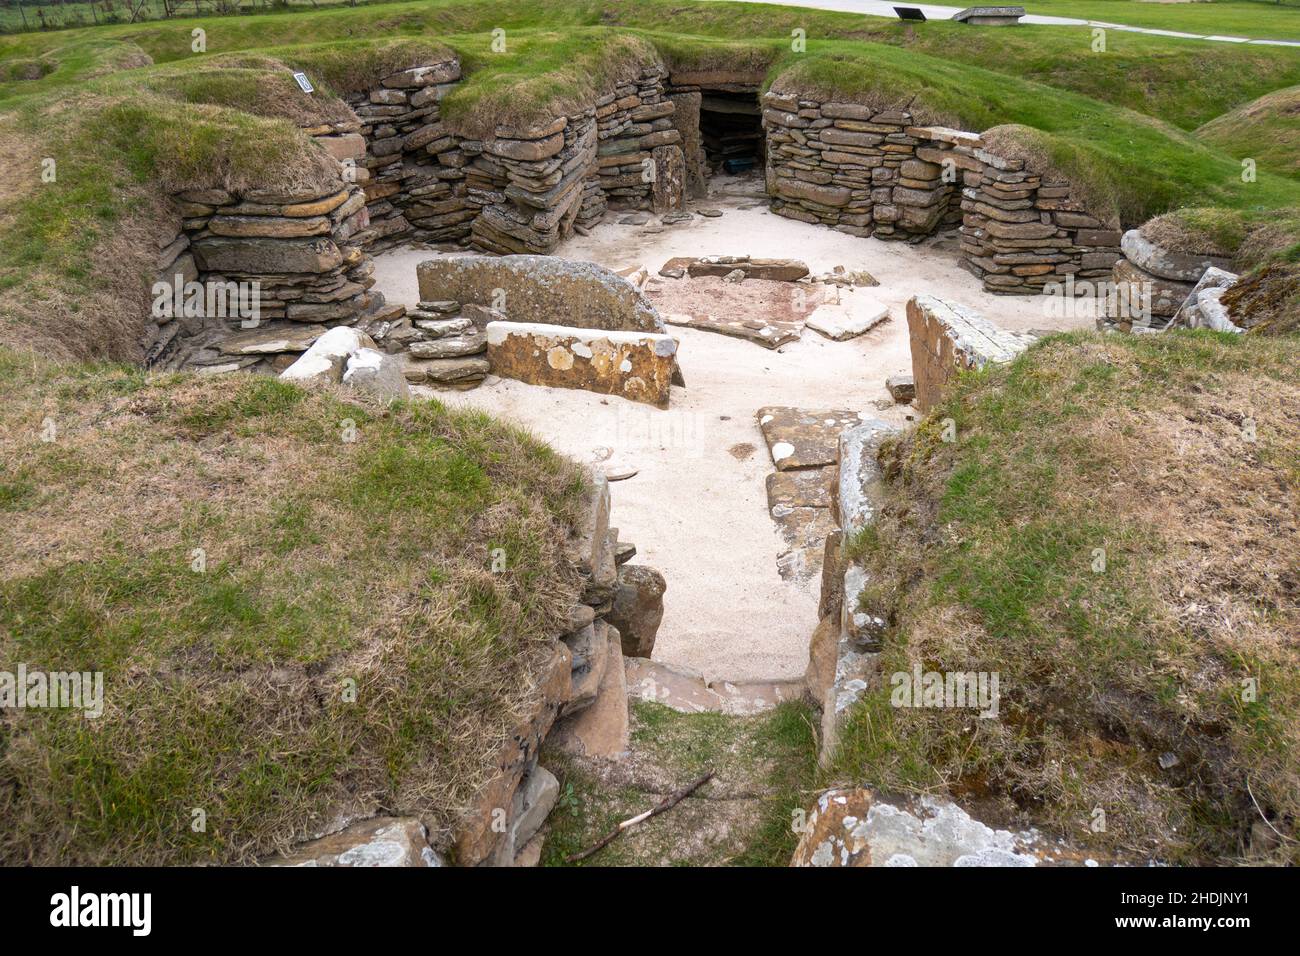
[1057, 160]
[983, 561]
[327, 562]
[1267, 301]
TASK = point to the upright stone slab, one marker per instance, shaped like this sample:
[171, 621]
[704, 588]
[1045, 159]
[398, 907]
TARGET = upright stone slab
[947, 339]
[669, 188]
[637, 366]
[540, 289]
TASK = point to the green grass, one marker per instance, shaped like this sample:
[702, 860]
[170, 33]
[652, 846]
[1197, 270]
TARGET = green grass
[232, 566]
[1184, 82]
[767, 761]
[1240, 18]
[1117, 444]
[1266, 130]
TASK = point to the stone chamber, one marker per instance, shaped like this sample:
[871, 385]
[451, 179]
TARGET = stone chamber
[649, 145]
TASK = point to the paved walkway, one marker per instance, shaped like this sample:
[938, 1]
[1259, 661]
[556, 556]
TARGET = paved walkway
[885, 8]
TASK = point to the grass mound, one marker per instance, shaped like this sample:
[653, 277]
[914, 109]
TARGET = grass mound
[290, 626]
[1114, 533]
[1266, 130]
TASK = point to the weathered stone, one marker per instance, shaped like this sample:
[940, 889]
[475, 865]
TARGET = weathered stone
[451, 346]
[382, 841]
[377, 374]
[638, 608]
[422, 76]
[947, 339]
[260, 256]
[1166, 264]
[804, 438]
[541, 289]
[1213, 315]
[268, 341]
[453, 371]
[275, 227]
[804, 532]
[801, 488]
[769, 333]
[667, 192]
[823, 195]
[479, 835]
[328, 356]
[902, 388]
[857, 828]
[590, 647]
[847, 319]
[600, 730]
[1138, 285]
[637, 366]
[773, 270]
[526, 150]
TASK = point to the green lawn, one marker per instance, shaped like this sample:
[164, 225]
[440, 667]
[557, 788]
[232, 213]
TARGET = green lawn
[288, 623]
[1238, 18]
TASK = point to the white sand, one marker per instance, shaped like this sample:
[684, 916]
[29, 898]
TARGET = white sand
[694, 510]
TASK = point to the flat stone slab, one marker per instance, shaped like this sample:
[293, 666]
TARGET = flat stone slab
[601, 729]
[542, 289]
[637, 366]
[453, 371]
[767, 333]
[687, 692]
[779, 270]
[804, 530]
[270, 341]
[803, 488]
[947, 339]
[848, 319]
[804, 438]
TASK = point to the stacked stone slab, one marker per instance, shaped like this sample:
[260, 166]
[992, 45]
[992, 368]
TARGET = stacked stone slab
[640, 155]
[850, 167]
[1166, 276]
[1021, 232]
[413, 167]
[867, 172]
[521, 190]
[298, 250]
[543, 177]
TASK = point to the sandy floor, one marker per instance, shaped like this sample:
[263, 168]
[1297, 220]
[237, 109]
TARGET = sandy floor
[697, 508]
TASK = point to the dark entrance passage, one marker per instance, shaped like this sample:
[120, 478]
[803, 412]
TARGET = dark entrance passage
[731, 128]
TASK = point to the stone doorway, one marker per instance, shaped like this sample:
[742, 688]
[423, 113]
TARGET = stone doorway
[731, 130]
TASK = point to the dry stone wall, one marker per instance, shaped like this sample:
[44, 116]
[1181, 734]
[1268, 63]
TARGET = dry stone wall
[878, 173]
[521, 190]
[253, 278]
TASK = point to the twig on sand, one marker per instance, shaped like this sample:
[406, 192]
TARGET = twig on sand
[667, 803]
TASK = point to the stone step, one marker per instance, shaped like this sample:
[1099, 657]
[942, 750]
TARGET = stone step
[687, 691]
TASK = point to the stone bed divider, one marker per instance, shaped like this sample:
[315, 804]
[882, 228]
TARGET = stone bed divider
[637, 366]
[947, 339]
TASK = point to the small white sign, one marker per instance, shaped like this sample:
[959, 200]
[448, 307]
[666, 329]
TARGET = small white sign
[304, 84]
